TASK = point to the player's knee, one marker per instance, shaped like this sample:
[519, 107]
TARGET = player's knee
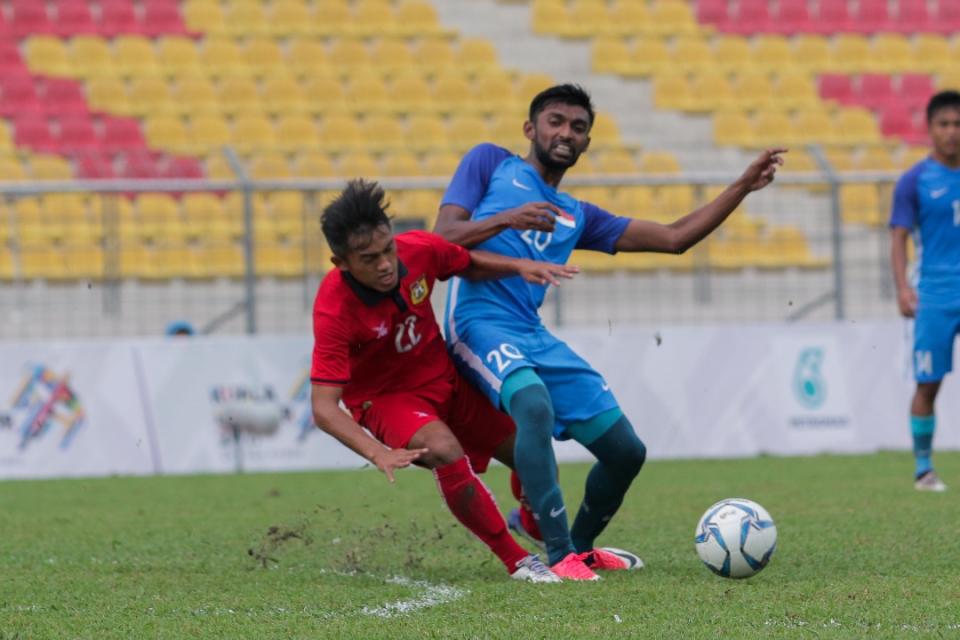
[634, 458]
[532, 409]
[443, 449]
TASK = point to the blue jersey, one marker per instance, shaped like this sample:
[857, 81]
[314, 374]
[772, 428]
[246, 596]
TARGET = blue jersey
[489, 180]
[927, 201]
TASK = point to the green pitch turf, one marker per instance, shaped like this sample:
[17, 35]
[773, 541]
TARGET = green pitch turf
[346, 555]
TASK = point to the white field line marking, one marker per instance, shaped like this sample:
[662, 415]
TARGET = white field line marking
[432, 595]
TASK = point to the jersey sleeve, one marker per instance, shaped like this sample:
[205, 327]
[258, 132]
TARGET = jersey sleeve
[331, 351]
[601, 229]
[905, 201]
[472, 176]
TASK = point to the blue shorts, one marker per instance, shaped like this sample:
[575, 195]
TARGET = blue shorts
[934, 331]
[487, 353]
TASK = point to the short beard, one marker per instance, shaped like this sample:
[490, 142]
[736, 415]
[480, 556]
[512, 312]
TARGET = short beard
[543, 156]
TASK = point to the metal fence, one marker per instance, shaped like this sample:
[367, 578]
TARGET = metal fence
[122, 257]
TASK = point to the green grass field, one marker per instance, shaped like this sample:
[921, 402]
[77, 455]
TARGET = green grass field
[345, 555]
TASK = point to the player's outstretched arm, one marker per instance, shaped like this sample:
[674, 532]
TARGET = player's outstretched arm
[680, 235]
[906, 295]
[331, 419]
[485, 265]
[454, 223]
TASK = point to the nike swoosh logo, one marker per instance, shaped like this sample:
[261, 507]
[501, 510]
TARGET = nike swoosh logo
[555, 512]
[936, 193]
[520, 185]
[605, 386]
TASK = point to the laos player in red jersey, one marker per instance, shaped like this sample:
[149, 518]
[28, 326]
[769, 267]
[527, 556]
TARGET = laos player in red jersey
[378, 349]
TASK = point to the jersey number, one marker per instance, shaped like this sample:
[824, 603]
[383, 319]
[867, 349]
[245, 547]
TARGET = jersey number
[407, 337]
[504, 356]
[539, 239]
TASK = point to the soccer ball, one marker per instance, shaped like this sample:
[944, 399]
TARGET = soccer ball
[735, 538]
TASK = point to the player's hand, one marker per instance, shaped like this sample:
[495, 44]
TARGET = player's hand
[539, 216]
[763, 170]
[390, 459]
[907, 301]
[539, 272]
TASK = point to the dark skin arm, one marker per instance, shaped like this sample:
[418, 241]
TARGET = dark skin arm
[485, 265]
[906, 295]
[454, 224]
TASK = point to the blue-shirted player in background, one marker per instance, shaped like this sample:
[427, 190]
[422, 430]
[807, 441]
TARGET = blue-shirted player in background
[511, 205]
[926, 203]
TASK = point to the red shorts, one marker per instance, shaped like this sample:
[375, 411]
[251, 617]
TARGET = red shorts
[480, 428]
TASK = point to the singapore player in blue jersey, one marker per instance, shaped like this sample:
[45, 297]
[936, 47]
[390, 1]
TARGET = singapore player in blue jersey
[926, 204]
[511, 205]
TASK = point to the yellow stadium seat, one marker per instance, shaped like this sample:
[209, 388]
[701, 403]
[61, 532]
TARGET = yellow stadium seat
[587, 18]
[493, 92]
[307, 58]
[673, 201]
[263, 57]
[616, 161]
[604, 132]
[223, 261]
[341, 133]
[692, 54]
[800, 161]
[712, 92]
[332, 18]
[150, 95]
[948, 79]
[222, 58]
[891, 53]
[372, 18]
[44, 167]
[311, 164]
[814, 126]
[278, 260]
[91, 57]
[291, 18]
[204, 16]
[6, 143]
[732, 128]
[812, 53]
[392, 56]
[672, 91]
[296, 132]
[109, 95]
[851, 53]
[732, 54]
[773, 53]
[245, 20]
[452, 93]
[507, 131]
[434, 55]
[208, 133]
[628, 17]
[252, 133]
[610, 55]
[269, 165]
[635, 201]
[283, 95]
[530, 84]
[441, 163]
[466, 131]
[193, 96]
[672, 18]
[325, 95]
[796, 90]
[347, 54]
[27, 211]
[419, 18]
[409, 93]
[64, 207]
[47, 55]
[239, 96]
[854, 125]
[200, 207]
[659, 162]
[358, 165]
[753, 90]
[43, 263]
[134, 56]
[476, 54]
[649, 56]
[157, 207]
[383, 133]
[876, 159]
[911, 156]
[860, 204]
[177, 57]
[839, 159]
[931, 52]
[166, 132]
[425, 133]
[548, 17]
[772, 128]
[402, 164]
[367, 93]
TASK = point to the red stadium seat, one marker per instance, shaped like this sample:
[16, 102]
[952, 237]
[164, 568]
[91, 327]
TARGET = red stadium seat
[793, 17]
[122, 134]
[876, 91]
[117, 17]
[64, 96]
[915, 90]
[94, 165]
[18, 96]
[948, 16]
[139, 165]
[77, 134]
[834, 16]
[874, 16]
[162, 17]
[181, 167]
[11, 63]
[714, 12]
[898, 121]
[836, 87]
[753, 16]
[33, 132]
[30, 18]
[914, 17]
[74, 18]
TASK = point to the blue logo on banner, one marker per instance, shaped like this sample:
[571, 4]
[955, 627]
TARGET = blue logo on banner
[809, 387]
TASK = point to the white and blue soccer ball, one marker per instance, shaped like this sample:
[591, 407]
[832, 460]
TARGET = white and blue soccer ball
[735, 538]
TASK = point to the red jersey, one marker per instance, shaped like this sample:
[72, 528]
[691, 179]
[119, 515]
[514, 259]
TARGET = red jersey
[370, 342]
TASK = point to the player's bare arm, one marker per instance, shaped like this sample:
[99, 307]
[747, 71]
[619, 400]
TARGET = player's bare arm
[454, 223]
[331, 419]
[681, 235]
[906, 295]
[486, 265]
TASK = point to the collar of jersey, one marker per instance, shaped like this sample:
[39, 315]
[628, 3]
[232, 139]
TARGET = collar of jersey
[372, 297]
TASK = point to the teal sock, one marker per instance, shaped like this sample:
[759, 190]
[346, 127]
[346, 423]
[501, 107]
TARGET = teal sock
[922, 428]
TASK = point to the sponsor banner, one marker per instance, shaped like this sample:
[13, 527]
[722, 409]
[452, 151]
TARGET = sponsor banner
[71, 410]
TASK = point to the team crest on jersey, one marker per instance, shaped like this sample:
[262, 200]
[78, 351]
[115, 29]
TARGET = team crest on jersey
[566, 220]
[419, 291]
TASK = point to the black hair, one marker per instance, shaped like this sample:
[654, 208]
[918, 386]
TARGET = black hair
[944, 100]
[572, 94]
[358, 210]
